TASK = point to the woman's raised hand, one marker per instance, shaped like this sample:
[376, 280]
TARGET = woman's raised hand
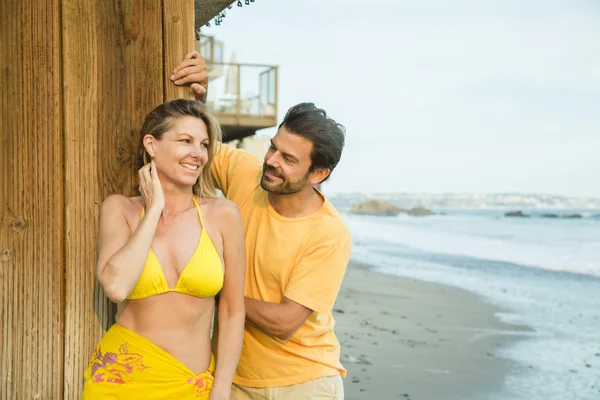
[150, 187]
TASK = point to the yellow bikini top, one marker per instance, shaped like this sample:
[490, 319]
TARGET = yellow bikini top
[201, 277]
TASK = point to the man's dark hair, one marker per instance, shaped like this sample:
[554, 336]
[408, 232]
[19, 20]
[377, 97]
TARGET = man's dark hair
[328, 137]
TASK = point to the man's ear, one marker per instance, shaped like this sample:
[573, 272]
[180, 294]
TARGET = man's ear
[149, 142]
[319, 175]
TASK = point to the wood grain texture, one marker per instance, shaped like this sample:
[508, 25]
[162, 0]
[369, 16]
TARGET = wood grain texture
[31, 201]
[178, 34]
[113, 77]
[81, 104]
[77, 78]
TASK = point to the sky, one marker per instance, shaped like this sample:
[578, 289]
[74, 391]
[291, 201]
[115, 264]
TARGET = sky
[464, 96]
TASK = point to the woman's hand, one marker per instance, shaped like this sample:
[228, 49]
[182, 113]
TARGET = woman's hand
[150, 187]
[192, 70]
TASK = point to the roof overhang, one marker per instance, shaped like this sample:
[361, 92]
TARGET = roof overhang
[205, 10]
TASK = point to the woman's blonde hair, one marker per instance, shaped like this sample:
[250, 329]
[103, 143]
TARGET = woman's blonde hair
[161, 119]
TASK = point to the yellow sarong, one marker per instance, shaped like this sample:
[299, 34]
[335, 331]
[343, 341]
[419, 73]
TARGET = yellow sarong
[126, 365]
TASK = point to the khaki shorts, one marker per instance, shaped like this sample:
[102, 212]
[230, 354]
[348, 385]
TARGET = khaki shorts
[326, 388]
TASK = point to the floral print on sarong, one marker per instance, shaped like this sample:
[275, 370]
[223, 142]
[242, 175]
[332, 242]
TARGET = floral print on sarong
[115, 368]
[203, 383]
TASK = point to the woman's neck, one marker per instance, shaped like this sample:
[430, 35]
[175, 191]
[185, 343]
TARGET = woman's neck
[176, 201]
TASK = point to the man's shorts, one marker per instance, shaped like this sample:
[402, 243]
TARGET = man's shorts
[326, 388]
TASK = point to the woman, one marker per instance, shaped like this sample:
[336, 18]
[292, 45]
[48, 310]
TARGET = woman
[163, 257]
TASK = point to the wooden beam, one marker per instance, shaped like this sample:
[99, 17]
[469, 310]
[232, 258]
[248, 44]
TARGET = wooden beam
[82, 102]
[31, 201]
[178, 36]
[113, 75]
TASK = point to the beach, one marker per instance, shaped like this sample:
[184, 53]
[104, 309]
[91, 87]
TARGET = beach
[407, 339]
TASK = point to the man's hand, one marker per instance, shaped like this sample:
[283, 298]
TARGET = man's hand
[192, 70]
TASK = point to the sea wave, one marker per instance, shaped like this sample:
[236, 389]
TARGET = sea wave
[552, 245]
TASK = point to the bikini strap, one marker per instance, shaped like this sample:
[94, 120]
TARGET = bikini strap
[199, 212]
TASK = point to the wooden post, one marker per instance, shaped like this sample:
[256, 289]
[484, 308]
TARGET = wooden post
[82, 103]
[31, 201]
[77, 79]
[113, 74]
[178, 34]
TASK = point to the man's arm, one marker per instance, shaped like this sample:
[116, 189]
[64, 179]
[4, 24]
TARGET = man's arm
[313, 286]
[278, 320]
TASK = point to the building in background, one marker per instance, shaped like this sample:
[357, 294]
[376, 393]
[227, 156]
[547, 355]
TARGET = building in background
[242, 96]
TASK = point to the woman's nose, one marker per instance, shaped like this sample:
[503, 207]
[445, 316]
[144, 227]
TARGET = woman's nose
[197, 152]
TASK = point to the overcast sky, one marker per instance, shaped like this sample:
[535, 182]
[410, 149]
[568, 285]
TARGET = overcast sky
[440, 95]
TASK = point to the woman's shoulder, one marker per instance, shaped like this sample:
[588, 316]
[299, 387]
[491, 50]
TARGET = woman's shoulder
[218, 207]
[124, 204]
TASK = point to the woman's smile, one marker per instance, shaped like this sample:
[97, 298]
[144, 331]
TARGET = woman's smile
[190, 167]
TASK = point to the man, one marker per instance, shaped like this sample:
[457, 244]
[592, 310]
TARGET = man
[297, 251]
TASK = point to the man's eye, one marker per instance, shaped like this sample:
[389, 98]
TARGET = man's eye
[271, 147]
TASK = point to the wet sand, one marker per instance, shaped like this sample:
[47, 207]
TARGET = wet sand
[407, 339]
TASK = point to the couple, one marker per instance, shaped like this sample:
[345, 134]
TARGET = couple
[272, 256]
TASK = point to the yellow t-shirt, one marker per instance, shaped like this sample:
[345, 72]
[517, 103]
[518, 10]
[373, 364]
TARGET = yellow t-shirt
[303, 259]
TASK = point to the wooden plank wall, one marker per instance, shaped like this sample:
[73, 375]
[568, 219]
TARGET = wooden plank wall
[77, 79]
[31, 201]
[81, 102]
[111, 83]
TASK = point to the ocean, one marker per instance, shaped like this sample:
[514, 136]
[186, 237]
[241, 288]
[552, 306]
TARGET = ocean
[544, 272]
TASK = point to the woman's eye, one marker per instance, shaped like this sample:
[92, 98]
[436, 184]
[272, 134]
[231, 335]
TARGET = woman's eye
[186, 140]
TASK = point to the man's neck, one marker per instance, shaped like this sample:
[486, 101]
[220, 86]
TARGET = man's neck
[301, 204]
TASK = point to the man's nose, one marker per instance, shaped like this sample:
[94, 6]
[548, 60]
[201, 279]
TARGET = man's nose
[272, 160]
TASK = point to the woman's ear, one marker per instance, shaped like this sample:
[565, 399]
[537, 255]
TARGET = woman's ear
[149, 143]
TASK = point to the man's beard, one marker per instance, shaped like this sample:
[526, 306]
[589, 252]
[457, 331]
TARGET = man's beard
[285, 187]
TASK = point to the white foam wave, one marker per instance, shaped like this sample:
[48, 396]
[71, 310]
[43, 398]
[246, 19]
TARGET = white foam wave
[541, 244]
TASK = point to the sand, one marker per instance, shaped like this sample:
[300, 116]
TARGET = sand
[408, 339]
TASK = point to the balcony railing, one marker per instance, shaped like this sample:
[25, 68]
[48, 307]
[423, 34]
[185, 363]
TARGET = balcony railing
[244, 95]
[212, 51]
